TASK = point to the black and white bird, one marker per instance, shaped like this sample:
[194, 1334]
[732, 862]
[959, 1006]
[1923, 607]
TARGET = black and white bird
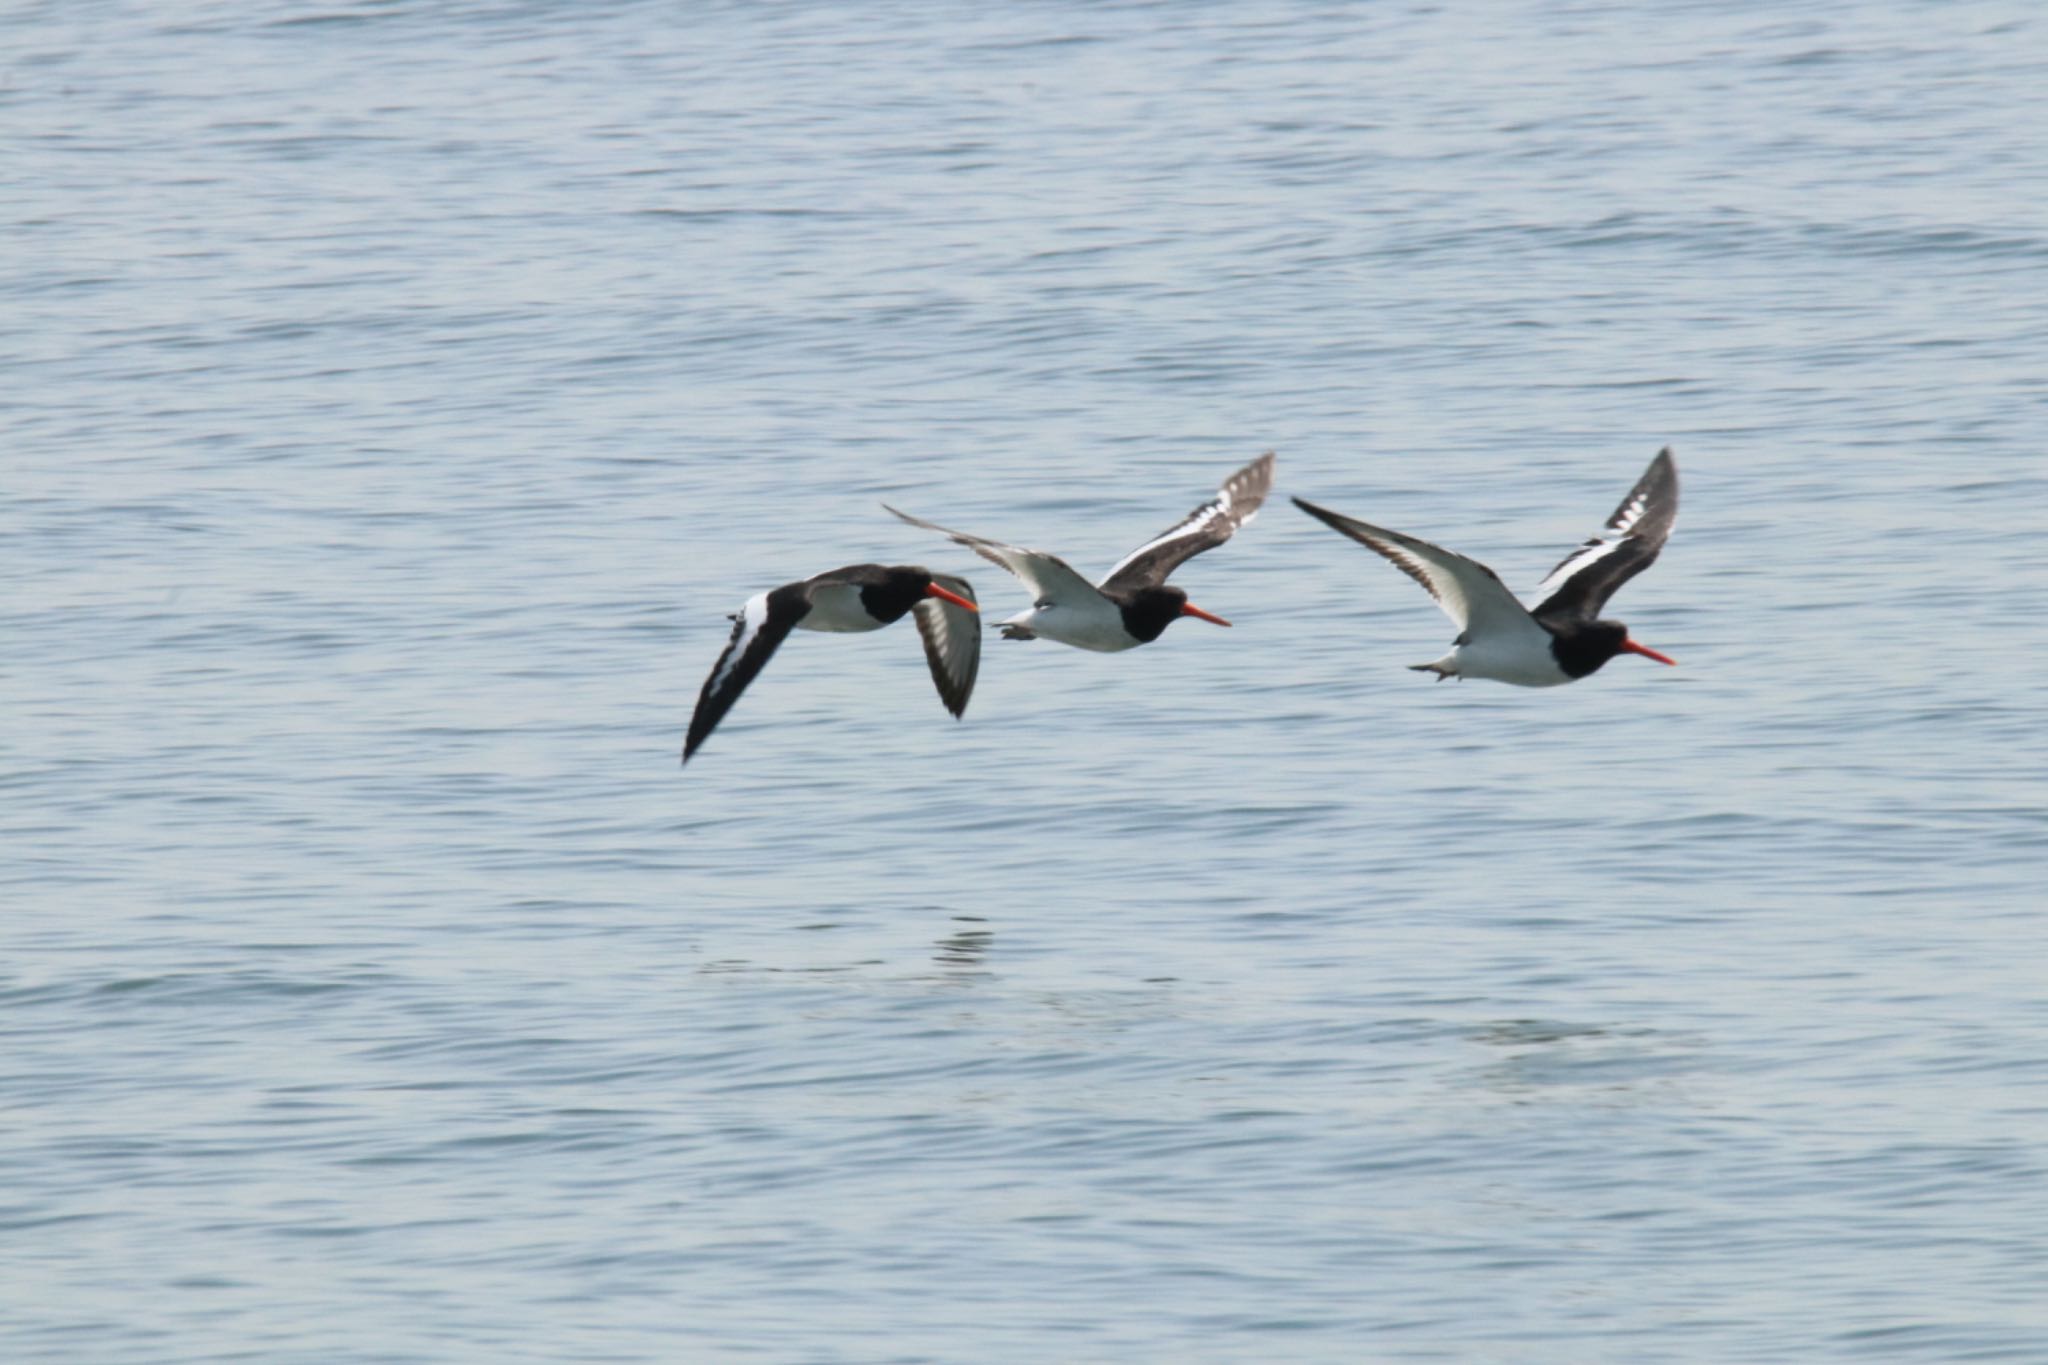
[1561, 638]
[1133, 605]
[859, 597]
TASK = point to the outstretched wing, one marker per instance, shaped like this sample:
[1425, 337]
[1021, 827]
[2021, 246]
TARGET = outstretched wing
[1623, 548]
[1208, 526]
[1048, 577]
[1471, 594]
[952, 642]
[759, 629]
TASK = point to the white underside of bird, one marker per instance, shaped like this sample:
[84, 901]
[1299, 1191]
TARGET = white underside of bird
[1090, 622]
[1515, 651]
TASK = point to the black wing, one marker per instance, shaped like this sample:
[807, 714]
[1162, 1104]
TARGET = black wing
[952, 642]
[1208, 526]
[1623, 548]
[759, 629]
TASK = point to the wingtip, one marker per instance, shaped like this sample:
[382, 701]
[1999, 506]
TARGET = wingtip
[1664, 467]
[918, 522]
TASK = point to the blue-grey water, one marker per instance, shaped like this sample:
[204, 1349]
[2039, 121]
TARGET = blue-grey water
[394, 398]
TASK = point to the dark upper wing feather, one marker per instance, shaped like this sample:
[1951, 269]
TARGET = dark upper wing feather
[952, 642]
[1208, 526]
[757, 631]
[1628, 544]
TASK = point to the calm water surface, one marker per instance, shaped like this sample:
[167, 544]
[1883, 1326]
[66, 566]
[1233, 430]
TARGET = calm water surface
[397, 397]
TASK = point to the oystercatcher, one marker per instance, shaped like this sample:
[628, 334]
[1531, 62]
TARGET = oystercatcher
[858, 597]
[1560, 639]
[1133, 605]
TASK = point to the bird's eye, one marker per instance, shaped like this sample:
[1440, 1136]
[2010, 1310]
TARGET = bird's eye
[1042, 603]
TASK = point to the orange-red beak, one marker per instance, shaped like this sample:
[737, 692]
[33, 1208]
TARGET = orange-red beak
[1190, 609]
[1631, 647]
[955, 598]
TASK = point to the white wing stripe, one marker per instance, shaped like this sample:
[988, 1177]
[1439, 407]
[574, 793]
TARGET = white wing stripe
[1187, 528]
[1194, 525]
[1201, 530]
[1591, 553]
[753, 616]
[1637, 527]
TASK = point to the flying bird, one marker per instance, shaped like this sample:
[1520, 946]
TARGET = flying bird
[1133, 605]
[859, 597]
[1561, 638]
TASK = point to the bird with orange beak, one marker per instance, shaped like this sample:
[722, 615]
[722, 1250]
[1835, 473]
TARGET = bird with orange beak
[857, 598]
[1134, 604]
[1561, 638]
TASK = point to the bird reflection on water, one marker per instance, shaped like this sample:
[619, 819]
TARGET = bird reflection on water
[964, 947]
